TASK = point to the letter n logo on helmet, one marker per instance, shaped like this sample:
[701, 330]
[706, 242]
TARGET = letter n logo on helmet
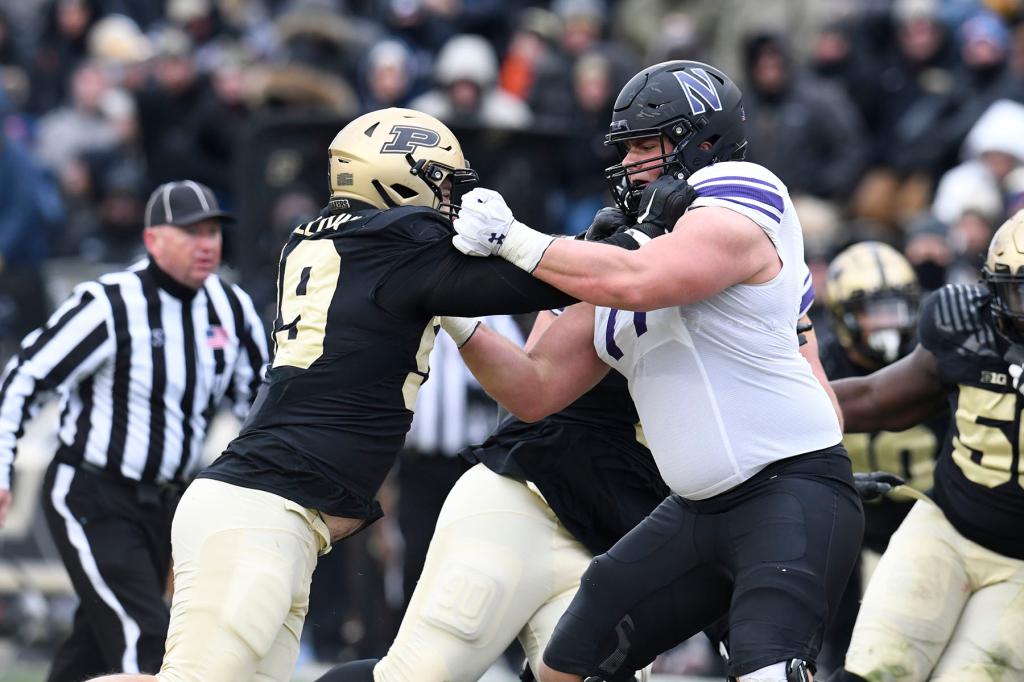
[699, 89]
[405, 139]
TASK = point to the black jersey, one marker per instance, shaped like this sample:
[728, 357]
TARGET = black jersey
[358, 293]
[911, 453]
[979, 480]
[588, 461]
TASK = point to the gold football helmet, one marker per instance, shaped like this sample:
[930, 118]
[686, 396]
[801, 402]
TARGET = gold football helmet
[397, 157]
[873, 295]
[1003, 272]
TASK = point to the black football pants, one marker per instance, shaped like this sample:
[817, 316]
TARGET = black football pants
[772, 555]
[115, 540]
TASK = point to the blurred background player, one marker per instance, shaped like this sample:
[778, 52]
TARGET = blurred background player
[947, 599]
[873, 297]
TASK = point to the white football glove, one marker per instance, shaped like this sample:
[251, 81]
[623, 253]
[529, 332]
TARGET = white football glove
[1015, 372]
[1014, 357]
[461, 329]
[485, 227]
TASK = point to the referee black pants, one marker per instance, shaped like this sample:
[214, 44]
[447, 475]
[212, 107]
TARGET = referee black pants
[115, 539]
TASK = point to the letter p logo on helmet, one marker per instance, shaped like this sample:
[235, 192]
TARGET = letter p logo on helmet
[405, 139]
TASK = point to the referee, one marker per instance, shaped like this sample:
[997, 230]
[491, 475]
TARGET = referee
[140, 359]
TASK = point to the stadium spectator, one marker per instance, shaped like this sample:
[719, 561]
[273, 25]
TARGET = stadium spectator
[784, 103]
[59, 49]
[466, 73]
[914, 79]
[388, 77]
[30, 214]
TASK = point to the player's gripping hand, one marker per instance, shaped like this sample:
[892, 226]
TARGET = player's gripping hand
[485, 227]
[664, 201]
[1014, 356]
[607, 222]
[872, 485]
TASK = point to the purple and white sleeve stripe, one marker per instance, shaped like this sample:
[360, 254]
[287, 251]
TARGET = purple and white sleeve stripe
[748, 192]
[807, 300]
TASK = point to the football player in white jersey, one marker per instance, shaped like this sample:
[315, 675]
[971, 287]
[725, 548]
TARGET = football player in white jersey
[764, 524]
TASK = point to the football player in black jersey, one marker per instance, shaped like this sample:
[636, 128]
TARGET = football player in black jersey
[516, 533]
[947, 599]
[873, 298]
[359, 290]
[518, 530]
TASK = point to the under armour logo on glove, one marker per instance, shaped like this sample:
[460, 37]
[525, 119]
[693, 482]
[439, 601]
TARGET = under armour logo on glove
[483, 223]
[1014, 356]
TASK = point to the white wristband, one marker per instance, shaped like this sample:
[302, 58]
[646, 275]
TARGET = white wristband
[524, 246]
[460, 328]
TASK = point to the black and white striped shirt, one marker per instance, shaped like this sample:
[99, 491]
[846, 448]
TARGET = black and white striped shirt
[140, 363]
[452, 410]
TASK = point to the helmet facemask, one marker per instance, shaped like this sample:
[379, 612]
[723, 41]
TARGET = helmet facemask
[435, 175]
[881, 327]
[1003, 274]
[695, 109]
[1007, 304]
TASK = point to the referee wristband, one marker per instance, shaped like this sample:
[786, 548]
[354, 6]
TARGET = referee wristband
[524, 246]
[461, 329]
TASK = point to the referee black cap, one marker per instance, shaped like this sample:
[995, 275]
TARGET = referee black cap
[182, 203]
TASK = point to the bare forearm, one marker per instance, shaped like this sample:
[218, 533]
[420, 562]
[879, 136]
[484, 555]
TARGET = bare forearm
[597, 273]
[864, 410]
[857, 404]
[507, 372]
[810, 352]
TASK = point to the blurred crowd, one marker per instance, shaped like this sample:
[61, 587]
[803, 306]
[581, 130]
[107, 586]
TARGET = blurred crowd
[898, 120]
[893, 119]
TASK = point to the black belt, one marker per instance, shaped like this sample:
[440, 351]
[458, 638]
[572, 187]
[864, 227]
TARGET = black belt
[160, 486]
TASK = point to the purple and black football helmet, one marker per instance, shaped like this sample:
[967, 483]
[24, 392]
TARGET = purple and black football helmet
[687, 102]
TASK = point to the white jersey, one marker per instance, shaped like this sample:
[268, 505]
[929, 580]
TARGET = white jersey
[720, 385]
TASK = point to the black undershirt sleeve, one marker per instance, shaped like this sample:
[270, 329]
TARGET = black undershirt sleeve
[440, 280]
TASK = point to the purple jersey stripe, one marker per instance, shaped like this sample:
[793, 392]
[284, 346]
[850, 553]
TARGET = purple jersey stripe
[736, 177]
[640, 323]
[766, 197]
[756, 208]
[806, 301]
[609, 336]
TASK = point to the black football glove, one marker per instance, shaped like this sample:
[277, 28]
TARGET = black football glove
[664, 201]
[607, 222]
[872, 485]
